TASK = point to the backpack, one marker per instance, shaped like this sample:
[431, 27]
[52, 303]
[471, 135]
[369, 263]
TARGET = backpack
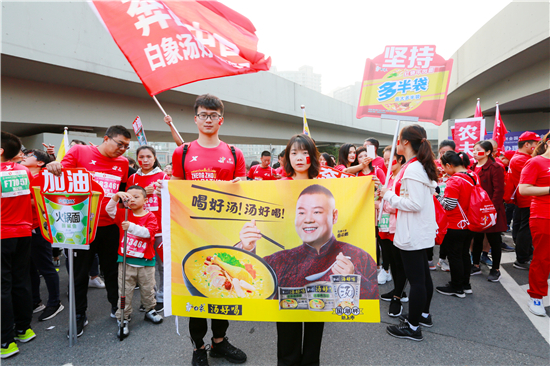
[186, 148]
[510, 189]
[442, 222]
[481, 214]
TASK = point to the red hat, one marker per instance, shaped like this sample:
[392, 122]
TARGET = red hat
[529, 136]
[509, 154]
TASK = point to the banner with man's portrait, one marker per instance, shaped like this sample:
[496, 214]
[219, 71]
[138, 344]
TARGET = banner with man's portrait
[271, 251]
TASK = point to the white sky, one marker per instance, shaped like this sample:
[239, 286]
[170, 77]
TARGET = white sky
[336, 37]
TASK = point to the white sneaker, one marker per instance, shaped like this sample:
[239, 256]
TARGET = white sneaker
[536, 307]
[383, 277]
[431, 265]
[96, 282]
[444, 265]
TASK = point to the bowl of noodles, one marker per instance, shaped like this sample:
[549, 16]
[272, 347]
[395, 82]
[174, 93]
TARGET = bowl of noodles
[218, 271]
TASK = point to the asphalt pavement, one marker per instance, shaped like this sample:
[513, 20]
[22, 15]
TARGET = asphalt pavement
[490, 327]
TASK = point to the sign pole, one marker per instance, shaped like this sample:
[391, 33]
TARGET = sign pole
[72, 307]
[171, 124]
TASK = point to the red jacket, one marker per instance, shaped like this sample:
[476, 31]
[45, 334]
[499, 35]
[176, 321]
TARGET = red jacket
[491, 177]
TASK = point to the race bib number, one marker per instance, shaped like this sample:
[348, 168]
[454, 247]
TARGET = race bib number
[152, 203]
[14, 183]
[384, 223]
[110, 183]
[136, 246]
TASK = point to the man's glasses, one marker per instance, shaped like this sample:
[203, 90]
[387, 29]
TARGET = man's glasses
[214, 116]
[120, 145]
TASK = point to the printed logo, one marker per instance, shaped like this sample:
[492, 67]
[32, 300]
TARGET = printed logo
[93, 162]
[194, 158]
[221, 160]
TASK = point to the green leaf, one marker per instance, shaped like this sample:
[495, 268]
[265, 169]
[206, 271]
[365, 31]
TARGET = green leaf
[229, 259]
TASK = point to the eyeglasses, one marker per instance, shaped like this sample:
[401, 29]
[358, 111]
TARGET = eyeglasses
[120, 145]
[214, 116]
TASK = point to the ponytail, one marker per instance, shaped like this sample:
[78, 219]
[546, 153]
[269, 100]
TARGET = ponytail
[455, 159]
[416, 135]
[541, 146]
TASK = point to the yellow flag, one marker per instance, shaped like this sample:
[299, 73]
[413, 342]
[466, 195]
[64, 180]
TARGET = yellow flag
[63, 146]
[306, 127]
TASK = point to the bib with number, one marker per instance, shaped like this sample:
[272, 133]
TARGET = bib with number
[152, 203]
[384, 223]
[14, 183]
[136, 246]
[110, 183]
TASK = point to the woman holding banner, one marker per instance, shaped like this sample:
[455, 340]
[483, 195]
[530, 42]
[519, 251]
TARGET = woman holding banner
[413, 198]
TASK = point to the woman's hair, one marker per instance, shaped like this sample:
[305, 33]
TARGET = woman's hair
[359, 151]
[455, 159]
[399, 158]
[152, 150]
[416, 135]
[343, 155]
[77, 142]
[303, 142]
[487, 146]
[328, 159]
[541, 146]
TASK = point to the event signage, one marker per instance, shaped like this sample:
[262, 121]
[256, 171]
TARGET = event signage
[312, 260]
[511, 138]
[139, 131]
[467, 132]
[327, 172]
[67, 207]
[406, 81]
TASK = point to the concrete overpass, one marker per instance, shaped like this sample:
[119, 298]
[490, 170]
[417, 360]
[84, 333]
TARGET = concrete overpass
[60, 67]
[507, 60]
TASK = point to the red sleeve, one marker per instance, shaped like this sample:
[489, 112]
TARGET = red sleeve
[529, 173]
[151, 225]
[119, 217]
[176, 162]
[71, 157]
[452, 190]
[381, 176]
[340, 167]
[241, 164]
[130, 182]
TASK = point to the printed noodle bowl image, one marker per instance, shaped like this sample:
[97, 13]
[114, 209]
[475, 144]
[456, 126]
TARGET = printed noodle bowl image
[218, 271]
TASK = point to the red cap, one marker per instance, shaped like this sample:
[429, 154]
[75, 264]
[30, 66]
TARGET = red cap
[529, 136]
[509, 154]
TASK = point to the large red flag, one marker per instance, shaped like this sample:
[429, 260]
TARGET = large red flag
[172, 43]
[499, 130]
[479, 113]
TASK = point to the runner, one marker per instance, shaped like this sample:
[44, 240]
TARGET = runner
[326, 160]
[110, 169]
[263, 171]
[347, 159]
[378, 161]
[209, 158]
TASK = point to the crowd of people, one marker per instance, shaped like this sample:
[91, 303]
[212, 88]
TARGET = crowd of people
[426, 202]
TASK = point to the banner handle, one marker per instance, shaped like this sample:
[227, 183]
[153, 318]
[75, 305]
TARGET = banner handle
[392, 154]
[72, 304]
[171, 124]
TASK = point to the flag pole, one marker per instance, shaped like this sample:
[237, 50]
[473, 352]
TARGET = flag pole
[171, 124]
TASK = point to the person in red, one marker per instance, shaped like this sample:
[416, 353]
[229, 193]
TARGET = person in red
[370, 168]
[209, 158]
[524, 243]
[280, 171]
[378, 161]
[263, 171]
[506, 156]
[535, 182]
[110, 170]
[147, 176]
[491, 176]
[15, 235]
[496, 153]
[457, 240]
[347, 159]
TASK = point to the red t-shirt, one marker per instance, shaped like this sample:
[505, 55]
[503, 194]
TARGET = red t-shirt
[287, 178]
[537, 173]
[108, 172]
[15, 205]
[153, 202]
[516, 166]
[257, 171]
[280, 171]
[138, 247]
[379, 162]
[379, 174]
[340, 167]
[459, 186]
[203, 163]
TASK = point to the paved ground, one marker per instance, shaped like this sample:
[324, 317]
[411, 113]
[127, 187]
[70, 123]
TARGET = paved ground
[490, 327]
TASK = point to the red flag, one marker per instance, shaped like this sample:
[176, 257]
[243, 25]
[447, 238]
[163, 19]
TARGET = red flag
[175, 43]
[478, 113]
[499, 130]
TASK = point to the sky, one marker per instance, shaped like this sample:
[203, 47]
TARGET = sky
[336, 37]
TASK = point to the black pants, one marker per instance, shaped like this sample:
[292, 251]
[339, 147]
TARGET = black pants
[199, 326]
[396, 266]
[458, 253]
[417, 271]
[385, 248]
[496, 250]
[16, 286]
[443, 251]
[292, 350]
[524, 242]
[106, 246]
[41, 262]
[510, 208]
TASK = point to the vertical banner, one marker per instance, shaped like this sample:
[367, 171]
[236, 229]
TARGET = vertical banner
[67, 207]
[139, 131]
[467, 132]
[406, 81]
[271, 250]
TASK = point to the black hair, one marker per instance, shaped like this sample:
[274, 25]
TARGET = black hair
[328, 159]
[359, 151]
[152, 150]
[139, 188]
[266, 153]
[41, 155]
[317, 189]
[208, 101]
[399, 158]
[487, 146]
[117, 130]
[77, 142]
[343, 155]
[282, 154]
[131, 161]
[445, 143]
[255, 162]
[11, 145]
[522, 143]
[374, 142]
[306, 143]
[455, 159]
[416, 135]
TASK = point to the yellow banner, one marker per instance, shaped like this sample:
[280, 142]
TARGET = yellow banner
[271, 250]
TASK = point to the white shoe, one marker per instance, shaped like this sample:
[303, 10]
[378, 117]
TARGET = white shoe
[444, 265]
[96, 282]
[536, 307]
[383, 277]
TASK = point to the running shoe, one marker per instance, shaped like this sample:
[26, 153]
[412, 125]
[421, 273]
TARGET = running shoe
[153, 317]
[395, 308]
[96, 282]
[506, 248]
[124, 330]
[468, 289]
[81, 322]
[431, 265]
[50, 312]
[226, 350]
[536, 307]
[38, 307]
[403, 330]
[450, 291]
[113, 311]
[486, 260]
[475, 270]
[200, 357]
[389, 296]
[159, 307]
[426, 322]
[444, 265]
[9, 350]
[494, 276]
[522, 265]
[383, 277]
[24, 335]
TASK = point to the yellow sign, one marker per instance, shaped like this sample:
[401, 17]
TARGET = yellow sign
[271, 250]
